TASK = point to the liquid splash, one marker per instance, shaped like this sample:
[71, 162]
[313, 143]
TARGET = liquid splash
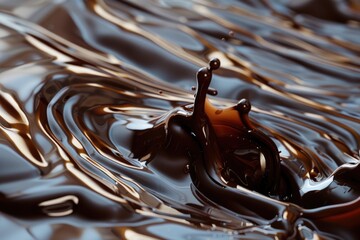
[101, 136]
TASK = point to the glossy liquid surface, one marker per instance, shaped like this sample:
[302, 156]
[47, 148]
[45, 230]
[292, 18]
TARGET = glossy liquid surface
[101, 136]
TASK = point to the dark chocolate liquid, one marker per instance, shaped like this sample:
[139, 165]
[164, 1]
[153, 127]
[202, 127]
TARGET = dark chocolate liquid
[101, 136]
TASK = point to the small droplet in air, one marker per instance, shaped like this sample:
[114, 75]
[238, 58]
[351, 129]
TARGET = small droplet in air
[214, 64]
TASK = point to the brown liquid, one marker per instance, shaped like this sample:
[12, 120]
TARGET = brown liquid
[102, 138]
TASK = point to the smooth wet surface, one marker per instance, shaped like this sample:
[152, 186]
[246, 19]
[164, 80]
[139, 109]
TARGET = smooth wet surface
[101, 136]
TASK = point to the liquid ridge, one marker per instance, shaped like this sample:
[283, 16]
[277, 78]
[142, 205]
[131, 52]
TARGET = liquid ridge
[104, 137]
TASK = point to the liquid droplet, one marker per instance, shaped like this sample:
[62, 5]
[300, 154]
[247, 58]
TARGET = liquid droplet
[212, 91]
[214, 64]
